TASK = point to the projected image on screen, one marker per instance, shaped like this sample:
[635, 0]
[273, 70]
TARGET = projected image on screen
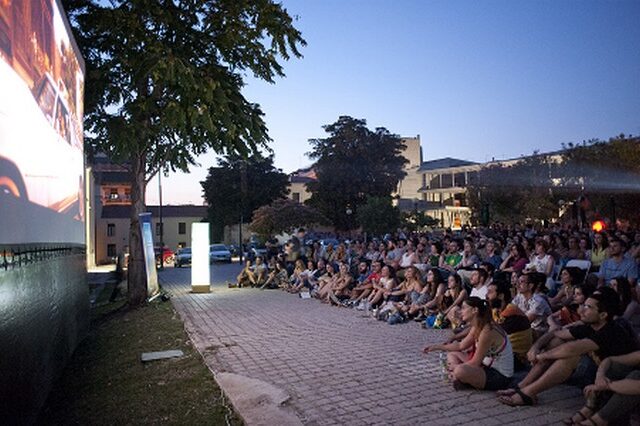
[41, 151]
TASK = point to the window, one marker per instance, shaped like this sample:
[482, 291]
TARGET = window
[460, 181]
[295, 196]
[113, 194]
[111, 229]
[127, 194]
[447, 180]
[111, 250]
[159, 228]
[182, 228]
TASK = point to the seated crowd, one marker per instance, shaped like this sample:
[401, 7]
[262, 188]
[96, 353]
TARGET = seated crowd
[559, 305]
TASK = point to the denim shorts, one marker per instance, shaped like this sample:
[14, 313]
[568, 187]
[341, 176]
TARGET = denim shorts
[585, 372]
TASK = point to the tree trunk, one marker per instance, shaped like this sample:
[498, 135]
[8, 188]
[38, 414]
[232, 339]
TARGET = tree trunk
[137, 279]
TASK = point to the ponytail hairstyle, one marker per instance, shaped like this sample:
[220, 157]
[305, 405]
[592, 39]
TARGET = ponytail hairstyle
[484, 313]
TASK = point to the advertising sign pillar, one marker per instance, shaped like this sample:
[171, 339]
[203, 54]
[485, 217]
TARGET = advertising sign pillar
[149, 254]
[200, 277]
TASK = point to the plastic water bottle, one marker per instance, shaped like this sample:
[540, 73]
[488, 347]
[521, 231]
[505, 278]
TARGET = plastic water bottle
[443, 365]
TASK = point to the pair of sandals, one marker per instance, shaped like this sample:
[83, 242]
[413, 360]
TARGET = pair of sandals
[581, 417]
[507, 397]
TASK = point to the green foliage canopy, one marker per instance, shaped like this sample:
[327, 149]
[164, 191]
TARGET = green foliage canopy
[353, 163]
[238, 187]
[284, 215]
[163, 85]
[378, 216]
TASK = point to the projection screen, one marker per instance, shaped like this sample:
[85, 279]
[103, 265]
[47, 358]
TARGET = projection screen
[41, 110]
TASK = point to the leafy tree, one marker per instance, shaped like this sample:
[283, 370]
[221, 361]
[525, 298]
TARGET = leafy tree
[516, 192]
[378, 216]
[284, 215]
[606, 172]
[238, 187]
[164, 80]
[353, 163]
[417, 221]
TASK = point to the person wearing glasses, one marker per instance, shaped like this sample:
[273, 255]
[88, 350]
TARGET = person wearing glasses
[574, 352]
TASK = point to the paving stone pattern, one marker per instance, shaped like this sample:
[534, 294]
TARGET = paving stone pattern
[338, 365]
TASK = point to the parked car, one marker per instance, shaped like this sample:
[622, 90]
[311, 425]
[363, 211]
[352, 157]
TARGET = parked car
[183, 257]
[219, 253]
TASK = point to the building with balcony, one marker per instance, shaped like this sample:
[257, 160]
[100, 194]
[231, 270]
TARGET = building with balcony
[444, 189]
[111, 211]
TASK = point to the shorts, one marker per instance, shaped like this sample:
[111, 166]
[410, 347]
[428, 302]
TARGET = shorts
[585, 372]
[495, 379]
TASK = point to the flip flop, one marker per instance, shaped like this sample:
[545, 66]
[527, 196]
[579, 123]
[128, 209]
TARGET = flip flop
[526, 399]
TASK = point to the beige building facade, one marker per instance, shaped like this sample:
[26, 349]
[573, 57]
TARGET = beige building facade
[112, 231]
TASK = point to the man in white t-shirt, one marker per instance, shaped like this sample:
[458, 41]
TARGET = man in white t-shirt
[533, 304]
[478, 281]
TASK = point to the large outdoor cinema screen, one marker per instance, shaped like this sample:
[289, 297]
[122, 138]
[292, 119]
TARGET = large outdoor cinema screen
[41, 147]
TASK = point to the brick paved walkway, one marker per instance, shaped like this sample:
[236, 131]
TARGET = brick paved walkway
[338, 366]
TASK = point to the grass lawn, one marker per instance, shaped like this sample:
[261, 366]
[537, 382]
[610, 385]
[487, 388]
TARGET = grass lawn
[106, 383]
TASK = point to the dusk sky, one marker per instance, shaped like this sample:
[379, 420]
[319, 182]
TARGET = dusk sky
[475, 80]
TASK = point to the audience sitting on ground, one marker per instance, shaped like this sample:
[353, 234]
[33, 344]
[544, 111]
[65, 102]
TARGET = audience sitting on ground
[361, 291]
[569, 277]
[452, 299]
[570, 312]
[484, 358]
[416, 296]
[450, 260]
[532, 303]
[340, 290]
[278, 277]
[618, 264]
[516, 260]
[556, 355]
[325, 282]
[542, 262]
[252, 275]
[382, 288]
[512, 320]
[615, 393]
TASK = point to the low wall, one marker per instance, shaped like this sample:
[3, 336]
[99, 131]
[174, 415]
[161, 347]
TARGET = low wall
[44, 313]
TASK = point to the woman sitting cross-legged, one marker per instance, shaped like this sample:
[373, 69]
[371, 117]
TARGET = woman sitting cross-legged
[382, 289]
[484, 358]
[341, 287]
[615, 393]
[325, 282]
[278, 278]
[416, 294]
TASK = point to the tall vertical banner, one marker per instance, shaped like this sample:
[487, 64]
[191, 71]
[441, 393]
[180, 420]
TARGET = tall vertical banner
[149, 254]
[200, 266]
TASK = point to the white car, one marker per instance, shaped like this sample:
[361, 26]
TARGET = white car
[219, 253]
[41, 154]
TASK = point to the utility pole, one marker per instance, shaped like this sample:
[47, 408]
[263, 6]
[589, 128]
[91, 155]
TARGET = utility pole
[243, 190]
[161, 225]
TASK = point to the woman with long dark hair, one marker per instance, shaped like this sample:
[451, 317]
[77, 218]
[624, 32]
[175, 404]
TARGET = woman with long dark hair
[484, 358]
